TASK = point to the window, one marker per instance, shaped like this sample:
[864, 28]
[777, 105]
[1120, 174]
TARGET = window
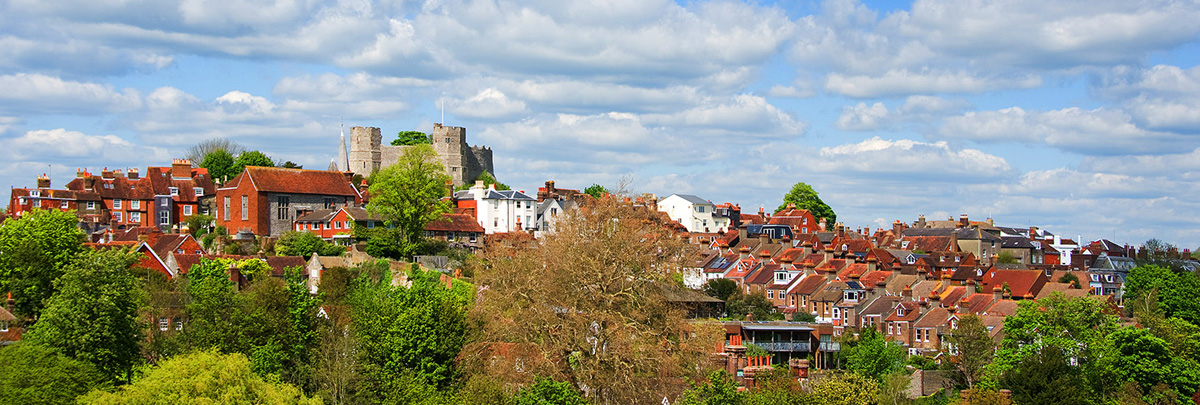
[3, 326]
[116, 216]
[187, 210]
[450, 236]
[164, 323]
[473, 236]
[199, 191]
[178, 323]
[135, 204]
[65, 204]
[891, 328]
[135, 217]
[164, 217]
[174, 191]
[227, 208]
[21, 200]
[245, 208]
[699, 208]
[328, 203]
[370, 224]
[495, 221]
[771, 294]
[117, 204]
[282, 210]
[91, 205]
[900, 311]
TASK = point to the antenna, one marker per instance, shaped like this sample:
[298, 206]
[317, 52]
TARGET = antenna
[443, 101]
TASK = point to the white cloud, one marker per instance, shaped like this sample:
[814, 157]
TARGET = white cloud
[862, 117]
[1162, 97]
[903, 81]
[746, 114]
[77, 146]
[489, 103]
[908, 159]
[39, 93]
[1099, 131]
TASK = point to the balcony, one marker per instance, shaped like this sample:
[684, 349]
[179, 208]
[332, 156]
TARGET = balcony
[830, 346]
[785, 346]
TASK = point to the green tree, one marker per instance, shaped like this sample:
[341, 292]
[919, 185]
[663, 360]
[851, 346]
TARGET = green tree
[93, 315]
[872, 356]
[198, 152]
[302, 243]
[547, 391]
[209, 307]
[34, 251]
[290, 165]
[804, 197]
[596, 190]
[1070, 279]
[1045, 377]
[717, 389]
[198, 222]
[740, 304]
[408, 195]
[845, 389]
[252, 158]
[35, 374]
[220, 165]
[974, 347]
[404, 138]
[1139, 356]
[199, 378]
[1176, 290]
[1007, 258]
[720, 288]
[1072, 325]
[487, 179]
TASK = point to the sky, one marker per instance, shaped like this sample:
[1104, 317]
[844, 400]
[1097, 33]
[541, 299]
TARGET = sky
[1079, 117]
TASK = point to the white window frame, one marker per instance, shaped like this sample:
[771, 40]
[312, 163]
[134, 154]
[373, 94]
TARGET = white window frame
[178, 323]
[245, 207]
[199, 191]
[116, 203]
[771, 294]
[91, 205]
[3, 326]
[164, 217]
[116, 216]
[174, 191]
[164, 324]
[135, 204]
[187, 210]
[135, 217]
[65, 204]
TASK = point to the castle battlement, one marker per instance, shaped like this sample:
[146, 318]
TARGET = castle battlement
[463, 163]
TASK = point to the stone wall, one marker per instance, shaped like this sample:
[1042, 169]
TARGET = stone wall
[463, 163]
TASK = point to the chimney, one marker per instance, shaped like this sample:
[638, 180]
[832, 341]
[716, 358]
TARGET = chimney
[808, 248]
[907, 293]
[963, 305]
[181, 168]
[743, 253]
[866, 232]
[118, 173]
[763, 255]
[749, 317]
[935, 299]
[828, 253]
[920, 222]
[742, 233]
[963, 221]
[990, 222]
[132, 173]
[841, 231]
[763, 240]
[786, 264]
[830, 274]
[808, 269]
[997, 293]
[1033, 233]
[897, 228]
[43, 181]
[106, 174]
[822, 224]
[785, 243]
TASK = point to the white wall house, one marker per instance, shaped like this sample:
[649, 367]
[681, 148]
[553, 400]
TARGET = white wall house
[695, 213]
[500, 211]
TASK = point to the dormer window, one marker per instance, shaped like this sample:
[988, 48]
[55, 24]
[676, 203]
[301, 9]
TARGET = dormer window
[199, 191]
[956, 259]
[174, 191]
[117, 203]
[904, 245]
[35, 193]
[978, 272]
[900, 311]
[699, 208]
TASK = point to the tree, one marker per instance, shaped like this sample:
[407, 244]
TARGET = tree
[1045, 377]
[487, 179]
[301, 243]
[547, 391]
[720, 288]
[404, 138]
[1073, 326]
[1071, 279]
[1006, 257]
[1175, 290]
[595, 190]
[93, 315]
[202, 377]
[209, 306]
[290, 165]
[845, 389]
[35, 374]
[197, 222]
[975, 349]
[717, 389]
[220, 165]
[872, 356]
[198, 152]
[1139, 356]
[34, 251]
[804, 197]
[740, 304]
[408, 195]
[252, 158]
[581, 305]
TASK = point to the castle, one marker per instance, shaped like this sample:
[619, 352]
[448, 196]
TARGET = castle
[463, 163]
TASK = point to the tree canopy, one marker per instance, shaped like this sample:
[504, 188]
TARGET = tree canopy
[93, 315]
[804, 197]
[1176, 291]
[202, 377]
[220, 165]
[302, 243]
[252, 158]
[404, 138]
[487, 180]
[408, 195]
[199, 152]
[34, 251]
[595, 190]
[36, 374]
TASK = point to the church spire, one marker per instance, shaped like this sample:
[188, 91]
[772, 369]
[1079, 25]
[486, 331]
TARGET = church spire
[343, 161]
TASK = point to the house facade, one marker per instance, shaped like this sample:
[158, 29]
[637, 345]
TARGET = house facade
[498, 211]
[694, 213]
[266, 201]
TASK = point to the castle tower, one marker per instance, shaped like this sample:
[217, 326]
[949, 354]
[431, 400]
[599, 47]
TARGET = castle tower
[448, 142]
[364, 150]
[343, 161]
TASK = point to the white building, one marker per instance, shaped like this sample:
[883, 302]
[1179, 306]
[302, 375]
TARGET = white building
[499, 211]
[695, 213]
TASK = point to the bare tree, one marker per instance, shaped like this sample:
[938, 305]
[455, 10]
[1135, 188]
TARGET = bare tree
[585, 305]
[197, 152]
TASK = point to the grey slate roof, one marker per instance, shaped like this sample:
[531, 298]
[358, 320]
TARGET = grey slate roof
[692, 199]
[495, 195]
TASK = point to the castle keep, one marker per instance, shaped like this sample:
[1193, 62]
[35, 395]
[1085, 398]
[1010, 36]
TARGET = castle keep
[463, 163]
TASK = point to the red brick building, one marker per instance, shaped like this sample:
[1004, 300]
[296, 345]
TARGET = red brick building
[266, 201]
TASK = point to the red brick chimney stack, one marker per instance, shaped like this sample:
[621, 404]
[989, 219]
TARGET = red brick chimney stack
[181, 168]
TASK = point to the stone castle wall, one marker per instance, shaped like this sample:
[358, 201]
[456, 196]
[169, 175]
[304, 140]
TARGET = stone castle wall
[463, 163]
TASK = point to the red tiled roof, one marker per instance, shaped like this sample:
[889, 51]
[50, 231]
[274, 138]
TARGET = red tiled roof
[911, 312]
[297, 181]
[455, 223]
[934, 318]
[764, 276]
[808, 285]
[851, 271]
[872, 278]
[928, 243]
[1020, 282]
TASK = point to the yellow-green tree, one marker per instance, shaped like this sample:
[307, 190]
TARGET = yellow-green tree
[202, 377]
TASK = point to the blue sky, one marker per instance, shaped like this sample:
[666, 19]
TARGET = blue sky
[1078, 117]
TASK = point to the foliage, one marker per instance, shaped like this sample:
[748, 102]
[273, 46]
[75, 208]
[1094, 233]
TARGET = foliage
[1072, 325]
[1176, 290]
[252, 158]
[872, 356]
[597, 191]
[408, 195]
[418, 329]
[335, 372]
[720, 288]
[981, 396]
[1045, 377]
[301, 243]
[291, 165]
[220, 165]
[34, 251]
[1006, 257]
[740, 304]
[254, 269]
[893, 389]
[210, 300]
[93, 315]
[202, 377]
[1070, 278]
[753, 350]
[581, 306]
[35, 374]
[975, 349]
[199, 152]
[717, 389]
[776, 386]
[1139, 356]
[198, 222]
[404, 138]
[392, 243]
[487, 180]
[845, 389]
[804, 197]
[547, 391]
